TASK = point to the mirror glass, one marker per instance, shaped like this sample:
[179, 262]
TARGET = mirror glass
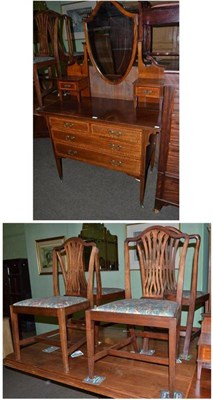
[111, 38]
[106, 243]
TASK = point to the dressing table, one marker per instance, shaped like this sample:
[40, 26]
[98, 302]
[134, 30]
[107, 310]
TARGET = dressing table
[106, 132]
[114, 133]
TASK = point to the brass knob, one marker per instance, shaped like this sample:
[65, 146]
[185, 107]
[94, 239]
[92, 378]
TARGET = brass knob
[146, 91]
[72, 152]
[70, 137]
[114, 132]
[116, 163]
[115, 146]
[68, 124]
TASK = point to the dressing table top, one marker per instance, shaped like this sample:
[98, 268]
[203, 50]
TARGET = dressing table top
[106, 110]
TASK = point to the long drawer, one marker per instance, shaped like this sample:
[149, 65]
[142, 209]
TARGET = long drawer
[97, 143]
[120, 163]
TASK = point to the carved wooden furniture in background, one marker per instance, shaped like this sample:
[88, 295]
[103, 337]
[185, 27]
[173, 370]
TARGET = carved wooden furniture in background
[159, 27]
[79, 297]
[45, 60]
[204, 345]
[154, 245]
[104, 132]
[167, 192]
[50, 55]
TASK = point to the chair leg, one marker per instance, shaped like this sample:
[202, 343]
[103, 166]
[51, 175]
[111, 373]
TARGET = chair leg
[63, 338]
[134, 339]
[15, 332]
[90, 343]
[189, 326]
[199, 368]
[172, 358]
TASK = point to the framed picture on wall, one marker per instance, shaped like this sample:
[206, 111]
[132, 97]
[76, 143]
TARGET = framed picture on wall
[77, 12]
[134, 230]
[44, 252]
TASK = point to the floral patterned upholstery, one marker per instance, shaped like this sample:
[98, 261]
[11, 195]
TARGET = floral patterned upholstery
[108, 290]
[51, 302]
[165, 308]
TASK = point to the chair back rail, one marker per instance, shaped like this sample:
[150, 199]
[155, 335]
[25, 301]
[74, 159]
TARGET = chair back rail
[69, 258]
[161, 251]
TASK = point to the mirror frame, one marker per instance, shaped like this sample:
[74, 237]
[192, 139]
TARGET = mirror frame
[135, 39]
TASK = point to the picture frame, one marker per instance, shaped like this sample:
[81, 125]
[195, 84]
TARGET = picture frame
[77, 11]
[44, 250]
[134, 230]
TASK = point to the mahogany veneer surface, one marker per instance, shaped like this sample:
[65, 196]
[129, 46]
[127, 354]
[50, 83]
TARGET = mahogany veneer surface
[112, 110]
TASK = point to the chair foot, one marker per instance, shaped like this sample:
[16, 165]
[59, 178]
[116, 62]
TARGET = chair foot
[97, 380]
[165, 394]
[185, 357]
[149, 352]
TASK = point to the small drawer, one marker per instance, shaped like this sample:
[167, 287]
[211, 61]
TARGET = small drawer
[116, 132]
[145, 91]
[71, 137]
[67, 86]
[68, 125]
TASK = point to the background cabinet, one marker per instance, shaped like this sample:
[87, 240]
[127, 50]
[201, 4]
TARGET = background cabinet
[16, 287]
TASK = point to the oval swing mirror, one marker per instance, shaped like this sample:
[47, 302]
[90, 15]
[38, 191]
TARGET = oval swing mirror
[111, 39]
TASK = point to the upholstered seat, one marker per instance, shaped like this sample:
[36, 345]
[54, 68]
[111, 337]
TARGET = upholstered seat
[51, 302]
[142, 306]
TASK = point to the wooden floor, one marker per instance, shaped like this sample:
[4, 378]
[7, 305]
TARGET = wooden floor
[123, 378]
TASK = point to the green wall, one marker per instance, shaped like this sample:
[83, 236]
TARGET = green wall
[19, 241]
[14, 244]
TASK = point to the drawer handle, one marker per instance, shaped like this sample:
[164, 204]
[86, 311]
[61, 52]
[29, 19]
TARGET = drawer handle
[67, 85]
[114, 132]
[146, 91]
[116, 163]
[115, 146]
[72, 152]
[68, 124]
[70, 137]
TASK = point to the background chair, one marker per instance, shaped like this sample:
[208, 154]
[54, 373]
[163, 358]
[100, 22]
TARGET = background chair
[78, 297]
[50, 54]
[157, 247]
[192, 298]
